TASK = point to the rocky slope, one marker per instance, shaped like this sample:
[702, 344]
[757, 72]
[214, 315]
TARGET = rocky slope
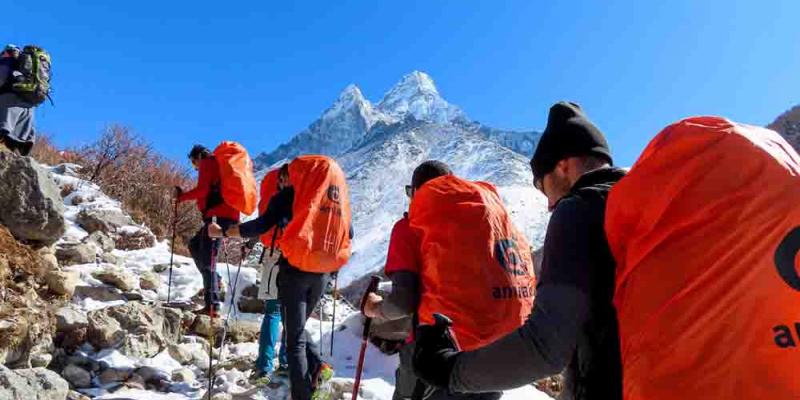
[788, 125]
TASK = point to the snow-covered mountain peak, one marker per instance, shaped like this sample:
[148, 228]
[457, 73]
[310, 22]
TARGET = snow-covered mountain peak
[416, 94]
[350, 98]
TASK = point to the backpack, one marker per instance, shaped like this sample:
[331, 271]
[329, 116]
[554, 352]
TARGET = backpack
[477, 267]
[237, 184]
[317, 239]
[705, 230]
[34, 65]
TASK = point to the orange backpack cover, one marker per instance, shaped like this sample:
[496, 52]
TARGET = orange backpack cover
[317, 238]
[269, 186]
[236, 173]
[477, 268]
[705, 229]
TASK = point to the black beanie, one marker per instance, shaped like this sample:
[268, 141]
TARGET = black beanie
[569, 133]
[428, 170]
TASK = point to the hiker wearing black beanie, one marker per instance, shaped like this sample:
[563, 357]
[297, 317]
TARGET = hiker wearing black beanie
[573, 325]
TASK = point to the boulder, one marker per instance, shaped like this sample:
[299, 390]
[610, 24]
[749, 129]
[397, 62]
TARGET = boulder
[159, 268]
[109, 258]
[244, 331]
[135, 382]
[73, 395]
[184, 375]
[69, 319]
[104, 220]
[251, 305]
[76, 253]
[202, 325]
[62, 283]
[135, 240]
[48, 254]
[181, 353]
[71, 340]
[111, 375]
[30, 201]
[41, 360]
[133, 295]
[149, 280]
[77, 376]
[117, 277]
[67, 169]
[32, 384]
[150, 374]
[101, 240]
[99, 293]
[149, 330]
[104, 331]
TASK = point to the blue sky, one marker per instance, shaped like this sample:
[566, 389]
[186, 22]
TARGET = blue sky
[182, 72]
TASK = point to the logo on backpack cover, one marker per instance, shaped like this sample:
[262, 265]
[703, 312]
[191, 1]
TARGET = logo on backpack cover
[333, 193]
[787, 259]
[507, 254]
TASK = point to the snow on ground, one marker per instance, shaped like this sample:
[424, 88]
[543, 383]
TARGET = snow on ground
[379, 369]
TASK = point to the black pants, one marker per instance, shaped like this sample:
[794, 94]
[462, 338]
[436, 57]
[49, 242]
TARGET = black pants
[299, 293]
[204, 250]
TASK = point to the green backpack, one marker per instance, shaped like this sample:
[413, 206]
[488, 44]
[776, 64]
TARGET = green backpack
[34, 65]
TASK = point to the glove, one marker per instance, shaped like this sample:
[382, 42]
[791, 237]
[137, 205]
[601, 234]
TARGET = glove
[435, 352]
[178, 191]
[251, 243]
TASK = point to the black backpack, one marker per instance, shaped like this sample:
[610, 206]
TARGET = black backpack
[34, 65]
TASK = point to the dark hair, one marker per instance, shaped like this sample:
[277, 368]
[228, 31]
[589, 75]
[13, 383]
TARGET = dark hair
[284, 171]
[199, 151]
[429, 170]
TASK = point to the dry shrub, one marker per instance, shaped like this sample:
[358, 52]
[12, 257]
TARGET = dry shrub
[45, 152]
[128, 169]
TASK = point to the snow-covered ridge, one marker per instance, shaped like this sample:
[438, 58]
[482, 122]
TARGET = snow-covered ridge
[352, 118]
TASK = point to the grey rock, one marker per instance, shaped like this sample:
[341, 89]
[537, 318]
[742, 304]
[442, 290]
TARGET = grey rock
[150, 374]
[114, 375]
[31, 384]
[133, 295]
[62, 282]
[117, 277]
[149, 280]
[41, 360]
[135, 382]
[104, 331]
[184, 375]
[75, 253]
[68, 319]
[137, 240]
[99, 293]
[107, 221]
[30, 201]
[159, 268]
[100, 239]
[251, 305]
[77, 376]
[67, 169]
[109, 258]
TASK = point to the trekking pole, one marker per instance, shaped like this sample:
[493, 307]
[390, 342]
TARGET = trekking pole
[373, 286]
[333, 320]
[231, 305]
[212, 332]
[172, 249]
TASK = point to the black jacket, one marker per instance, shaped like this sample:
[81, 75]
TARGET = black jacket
[573, 325]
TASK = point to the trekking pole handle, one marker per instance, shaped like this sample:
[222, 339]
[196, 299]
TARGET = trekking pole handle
[371, 288]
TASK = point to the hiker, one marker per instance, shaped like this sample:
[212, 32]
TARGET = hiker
[314, 244]
[271, 323]
[573, 323]
[17, 132]
[434, 271]
[210, 202]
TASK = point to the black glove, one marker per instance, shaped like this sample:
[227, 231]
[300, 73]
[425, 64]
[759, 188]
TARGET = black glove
[178, 191]
[435, 352]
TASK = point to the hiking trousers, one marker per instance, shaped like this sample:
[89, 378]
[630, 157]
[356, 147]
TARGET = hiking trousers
[203, 250]
[299, 293]
[268, 338]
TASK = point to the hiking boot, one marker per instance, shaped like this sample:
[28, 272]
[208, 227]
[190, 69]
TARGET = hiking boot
[260, 378]
[282, 370]
[321, 389]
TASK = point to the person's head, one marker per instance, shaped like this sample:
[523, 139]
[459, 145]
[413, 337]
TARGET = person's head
[425, 172]
[283, 177]
[569, 147]
[10, 50]
[198, 153]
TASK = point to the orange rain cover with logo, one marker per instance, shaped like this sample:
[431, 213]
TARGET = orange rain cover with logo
[477, 268]
[705, 229]
[317, 238]
[236, 173]
[269, 186]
